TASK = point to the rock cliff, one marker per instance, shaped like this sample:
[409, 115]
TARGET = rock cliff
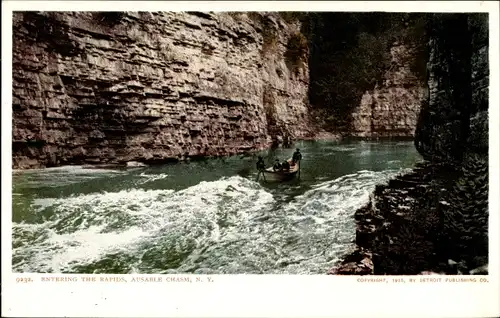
[435, 219]
[367, 78]
[454, 120]
[95, 87]
[392, 109]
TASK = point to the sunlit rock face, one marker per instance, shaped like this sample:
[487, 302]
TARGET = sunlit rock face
[152, 86]
[368, 79]
[454, 120]
[391, 109]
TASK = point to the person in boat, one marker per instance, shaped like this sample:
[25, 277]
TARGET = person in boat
[296, 157]
[260, 164]
[277, 165]
[285, 166]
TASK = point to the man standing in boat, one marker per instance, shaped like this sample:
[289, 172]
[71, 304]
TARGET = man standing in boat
[260, 164]
[296, 157]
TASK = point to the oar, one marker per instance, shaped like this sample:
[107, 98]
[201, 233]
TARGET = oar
[299, 168]
[263, 175]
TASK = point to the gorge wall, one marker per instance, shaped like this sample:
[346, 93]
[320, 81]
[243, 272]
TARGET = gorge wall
[454, 121]
[435, 218]
[367, 77]
[391, 109]
[452, 133]
[91, 87]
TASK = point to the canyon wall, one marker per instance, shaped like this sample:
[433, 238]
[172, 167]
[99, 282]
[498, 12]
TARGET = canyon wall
[367, 77]
[95, 87]
[435, 218]
[454, 119]
[392, 109]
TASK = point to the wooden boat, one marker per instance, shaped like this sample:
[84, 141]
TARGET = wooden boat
[283, 175]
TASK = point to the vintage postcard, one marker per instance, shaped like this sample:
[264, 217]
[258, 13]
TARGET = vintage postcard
[250, 159]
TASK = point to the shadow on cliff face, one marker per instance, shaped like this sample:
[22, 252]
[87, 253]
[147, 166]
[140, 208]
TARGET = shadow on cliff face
[436, 218]
[350, 53]
[441, 225]
[103, 119]
[458, 84]
[47, 28]
[453, 131]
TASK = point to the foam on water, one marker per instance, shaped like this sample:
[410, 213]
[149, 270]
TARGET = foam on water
[323, 221]
[82, 228]
[393, 161]
[232, 225]
[151, 177]
[70, 170]
[344, 149]
[64, 175]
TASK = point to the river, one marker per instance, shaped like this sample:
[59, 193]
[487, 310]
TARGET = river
[207, 217]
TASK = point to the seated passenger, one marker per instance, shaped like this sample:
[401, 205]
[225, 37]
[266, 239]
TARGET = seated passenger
[285, 165]
[277, 165]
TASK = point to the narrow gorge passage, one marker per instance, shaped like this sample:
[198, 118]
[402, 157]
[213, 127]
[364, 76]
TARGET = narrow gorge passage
[194, 159]
[218, 220]
[124, 89]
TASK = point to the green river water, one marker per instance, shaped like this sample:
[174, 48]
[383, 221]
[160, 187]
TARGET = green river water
[208, 217]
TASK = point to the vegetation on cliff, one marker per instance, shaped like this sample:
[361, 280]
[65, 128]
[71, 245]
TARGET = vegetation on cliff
[349, 54]
[436, 217]
[458, 71]
[157, 86]
[453, 131]
[296, 52]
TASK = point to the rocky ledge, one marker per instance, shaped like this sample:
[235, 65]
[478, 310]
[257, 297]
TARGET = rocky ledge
[113, 87]
[431, 220]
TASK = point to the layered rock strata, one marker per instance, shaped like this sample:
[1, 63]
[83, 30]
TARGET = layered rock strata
[435, 219]
[391, 109]
[454, 120]
[93, 87]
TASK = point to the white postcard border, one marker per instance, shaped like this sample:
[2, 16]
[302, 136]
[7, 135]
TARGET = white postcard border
[249, 295]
